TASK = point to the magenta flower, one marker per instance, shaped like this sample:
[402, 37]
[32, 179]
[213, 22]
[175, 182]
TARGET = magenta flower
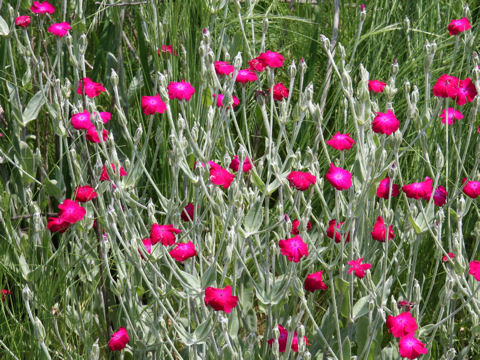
[220, 299]
[223, 68]
[440, 196]
[333, 231]
[280, 92]
[165, 49]
[446, 86]
[147, 244]
[294, 248]
[183, 251]
[92, 135]
[457, 26]
[164, 234]
[220, 176]
[271, 59]
[246, 75]
[314, 282]
[339, 178]
[85, 193]
[180, 90]
[4, 293]
[23, 21]
[401, 325]
[453, 115]
[81, 121]
[466, 91]
[234, 165]
[420, 190]
[91, 88]
[42, 8]
[379, 231]
[282, 340]
[301, 180]
[119, 340]
[220, 98]
[256, 65]
[383, 189]
[471, 188]
[474, 269]
[446, 258]
[71, 212]
[358, 267]
[341, 141]
[296, 223]
[59, 29]
[407, 305]
[105, 116]
[385, 123]
[153, 104]
[410, 347]
[57, 224]
[104, 175]
[376, 86]
[188, 212]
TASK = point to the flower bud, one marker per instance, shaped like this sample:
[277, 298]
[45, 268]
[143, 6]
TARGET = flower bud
[27, 294]
[82, 44]
[395, 68]
[292, 70]
[439, 158]
[237, 61]
[406, 23]
[39, 329]
[461, 207]
[265, 26]
[95, 351]
[114, 78]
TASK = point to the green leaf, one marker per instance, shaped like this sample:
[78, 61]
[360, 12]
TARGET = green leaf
[4, 30]
[202, 331]
[254, 218]
[189, 281]
[52, 189]
[361, 307]
[33, 107]
[208, 276]
[346, 348]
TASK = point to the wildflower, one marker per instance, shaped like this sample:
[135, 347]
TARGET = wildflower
[220, 176]
[446, 86]
[466, 91]
[376, 86]
[301, 180]
[234, 165]
[119, 339]
[91, 88]
[180, 90]
[104, 175]
[220, 299]
[296, 223]
[71, 212]
[85, 193]
[407, 305]
[256, 65]
[358, 267]
[59, 29]
[420, 190]
[147, 243]
[246, 75]
[457, 26]
[183, 251]
[42, 8]
[383, 189]
[410, 347]
[453, 115]
[401, 325]
[188, 212]
[165, 49]
[339, 178]
[164, 234]
[446, 258]
[333, 231]
[280, 92]
[385, 123]
[92, 135]
[474, 269]
[223, 68]
[4, 293]
[153, 104]
[315, 282]
[23, 21]
[471, 188]
[271, 59]
[105, 116]
[341, 141]
[282, 340]
[379, 231]
[220, 98]
[57, 224]
[81, 121]
[294, 248]
[440, 196]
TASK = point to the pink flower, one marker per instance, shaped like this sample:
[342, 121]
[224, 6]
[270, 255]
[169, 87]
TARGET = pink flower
[220, 100]
[81, 121]
[385, 123]
[42, 8]
[166, 48]
[119, 340]
[446, 258]
[85, 193]
[147, 243]
[294, 248]
[471, 188]
[71, 212]
[420, 190]
[220, 299]
[301, 180]
[407, 305]
[188, 212]
[341, 141]
[105, 116]
[180, 90]
[271, 59]
[440, 196]
[379, 231]
[333, 231]
[183, 251]
[339, 178]
[474, 269]
[104, 175]
[22, 21]
[358, 267]
[234, 165]
[4, 293]
[401, 325]
[466, 92]
[256, 65]
[296, 223]
[92, 135]
[282, 340]
[59, 29]
[457, 26]
[164, 234]
[91, 88]
[244, 76]
[280, 92]
[453, 115]
[383, 189]
[153, 104]
[376, 86]
[57, 224]
[363, 7]
[446, 86]
[410, 347]
[220, 176]
[314, 282]
[223, 68]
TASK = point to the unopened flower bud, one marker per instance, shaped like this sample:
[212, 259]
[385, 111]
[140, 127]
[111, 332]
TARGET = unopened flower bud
[292, 70]
[27, 294]
[138, 134]
[114, 78]
[82, 44]
[265, 26]
[237, 61]
[439, 158]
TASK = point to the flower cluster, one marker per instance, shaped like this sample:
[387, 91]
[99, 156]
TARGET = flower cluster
[70, 213]
[404, 326]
